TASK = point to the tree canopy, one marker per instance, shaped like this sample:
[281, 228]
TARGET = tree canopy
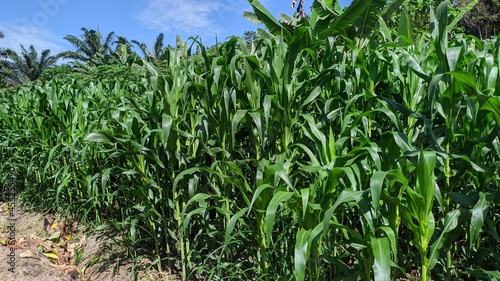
[483, 21]
[26, 66]
[90, 44]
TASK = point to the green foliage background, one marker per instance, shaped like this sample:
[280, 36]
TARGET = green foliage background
[337, 149]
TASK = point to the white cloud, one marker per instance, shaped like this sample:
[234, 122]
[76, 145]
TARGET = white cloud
[194, 17]
[26, 35]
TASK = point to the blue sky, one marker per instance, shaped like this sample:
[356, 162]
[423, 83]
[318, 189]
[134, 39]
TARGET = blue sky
[44, 23]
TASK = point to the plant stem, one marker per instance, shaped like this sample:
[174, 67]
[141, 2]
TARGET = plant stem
[424, 272]
[181, 235]
[447, 208]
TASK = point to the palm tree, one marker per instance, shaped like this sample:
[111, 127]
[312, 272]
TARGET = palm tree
[26, 66]
[2, 54]
[300, 8]
[90, 45]
[158, 52]
[122, 41]
[1, 49]
[250, 36]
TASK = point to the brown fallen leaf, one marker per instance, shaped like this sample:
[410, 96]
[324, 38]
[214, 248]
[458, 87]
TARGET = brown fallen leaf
[66, 267]
[27, 254]
[58, 266]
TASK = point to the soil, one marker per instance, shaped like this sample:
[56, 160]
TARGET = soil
[35, 246]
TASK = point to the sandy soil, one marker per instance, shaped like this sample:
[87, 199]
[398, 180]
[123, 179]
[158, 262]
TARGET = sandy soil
[35, 247]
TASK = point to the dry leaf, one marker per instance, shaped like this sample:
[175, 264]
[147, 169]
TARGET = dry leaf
[58, 266]
[26, 254]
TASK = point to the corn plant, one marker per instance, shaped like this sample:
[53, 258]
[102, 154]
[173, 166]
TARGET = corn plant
[357, 154]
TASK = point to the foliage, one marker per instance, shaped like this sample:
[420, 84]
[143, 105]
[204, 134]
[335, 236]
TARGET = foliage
[250, 37]
[159, 52]
[122, 42]
[84, 75]
[483, 21]
[24, 67]
[300, 158]
[327, 18]
[417, 14]
[91, 44]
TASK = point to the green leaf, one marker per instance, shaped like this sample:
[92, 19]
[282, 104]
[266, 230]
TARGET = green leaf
[280, 171]
[100, 137]
[466, 200]
[304, 192]
[483, 274]
[412, 63]
[478, 216]
[492, 229]
[251, 17]
[264, 16]
[200, 197]
[234, 124]
[425, 181]
[392, 239]
[492, 104]
[450, 223]
[55, 236]
[279, 197]
[376, 185]
[361, 15]
[382, 258]
[302, 252]
[257, 193]
[405, 28]
[133, 230]
[312, 96]
[464, 78]
[232, 223]
[166, 127]
[345, 196]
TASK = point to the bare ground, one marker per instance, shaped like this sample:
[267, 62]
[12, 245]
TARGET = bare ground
[35, 246]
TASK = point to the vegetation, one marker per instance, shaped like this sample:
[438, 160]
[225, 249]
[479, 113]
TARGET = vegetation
[24, 67]
[90, 45]
[483, 20]
[159, 51]
[333, 148]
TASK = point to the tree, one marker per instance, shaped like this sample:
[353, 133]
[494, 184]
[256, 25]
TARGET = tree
[300, 8]
[89, 46]
[1, 49]
[158, 52]
[122, 41]
[250, 36]
[483, 21]
[26, 66]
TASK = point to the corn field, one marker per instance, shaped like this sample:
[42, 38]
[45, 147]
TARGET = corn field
[336, 160]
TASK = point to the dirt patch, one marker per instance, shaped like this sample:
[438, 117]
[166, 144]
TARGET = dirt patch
[35, 246]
